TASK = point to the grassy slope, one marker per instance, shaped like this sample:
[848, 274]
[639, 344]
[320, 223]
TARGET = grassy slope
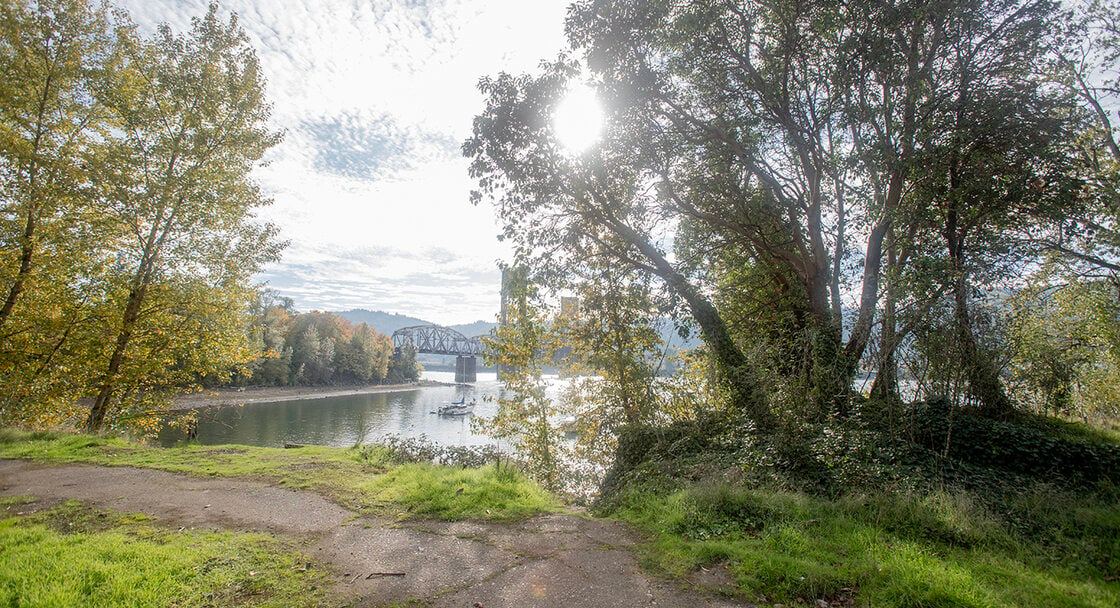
[895, 525]
[72, 555]
[1051, 550]
[364, 480]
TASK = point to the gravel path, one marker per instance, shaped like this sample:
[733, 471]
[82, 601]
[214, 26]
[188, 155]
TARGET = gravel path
[555, 560]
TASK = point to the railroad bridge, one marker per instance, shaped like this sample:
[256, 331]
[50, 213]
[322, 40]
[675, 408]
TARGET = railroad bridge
[438, 340]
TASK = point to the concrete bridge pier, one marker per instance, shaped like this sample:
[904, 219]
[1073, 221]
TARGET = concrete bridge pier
[465, 368]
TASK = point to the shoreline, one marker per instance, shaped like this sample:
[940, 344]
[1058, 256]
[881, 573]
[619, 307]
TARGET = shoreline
[225, 397]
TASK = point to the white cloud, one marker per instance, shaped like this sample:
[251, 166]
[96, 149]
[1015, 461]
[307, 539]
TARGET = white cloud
[375, 97]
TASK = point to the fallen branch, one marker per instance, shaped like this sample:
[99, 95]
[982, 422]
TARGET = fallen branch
[373, 574]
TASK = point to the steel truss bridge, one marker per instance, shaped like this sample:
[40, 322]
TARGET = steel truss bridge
[438, 340]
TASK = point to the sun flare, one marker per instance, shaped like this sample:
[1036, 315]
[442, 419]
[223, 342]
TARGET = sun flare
[578, 120]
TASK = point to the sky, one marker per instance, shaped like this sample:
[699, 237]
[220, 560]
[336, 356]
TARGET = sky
[375, 98]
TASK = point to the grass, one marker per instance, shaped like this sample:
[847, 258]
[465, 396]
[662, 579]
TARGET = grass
[72, 555]
[1074, 431]
[1040, 545]
[75, 556]
[492, 492]
[364, 480]
[1049, 548]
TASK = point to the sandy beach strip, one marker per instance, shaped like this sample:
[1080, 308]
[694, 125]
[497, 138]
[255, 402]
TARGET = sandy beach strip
[268, 394]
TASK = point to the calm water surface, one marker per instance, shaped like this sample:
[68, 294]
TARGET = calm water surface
[345, 421]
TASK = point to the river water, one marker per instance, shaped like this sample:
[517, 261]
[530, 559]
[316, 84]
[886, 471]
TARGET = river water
[352, 419]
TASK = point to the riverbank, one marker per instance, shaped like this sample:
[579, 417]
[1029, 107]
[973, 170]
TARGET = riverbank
[267, 394]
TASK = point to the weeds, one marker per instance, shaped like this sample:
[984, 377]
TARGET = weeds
[407, 450]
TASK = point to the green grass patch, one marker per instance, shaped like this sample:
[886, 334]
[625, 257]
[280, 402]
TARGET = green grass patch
[1048, 548]
[1073, 431]
[72, 555]
[366, 480]
[491, 492]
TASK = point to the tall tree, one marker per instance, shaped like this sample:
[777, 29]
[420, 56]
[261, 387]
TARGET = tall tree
[402, 366]
[555, 205]
[1004, 168]
[728, 108]
[175, 181]
[270, 327]
[777, 143]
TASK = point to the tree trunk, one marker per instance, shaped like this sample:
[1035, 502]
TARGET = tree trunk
[27, 245]
[100, 408]
[28, 241]
[886, 377]
[741, 382]
[830, 382]
[738, 378]
[136, 294]
[837, 261]
[869, 297]
[983, 378]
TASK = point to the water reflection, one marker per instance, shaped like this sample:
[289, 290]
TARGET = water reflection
[345, 421]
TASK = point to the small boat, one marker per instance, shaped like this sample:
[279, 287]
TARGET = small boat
[457, 408]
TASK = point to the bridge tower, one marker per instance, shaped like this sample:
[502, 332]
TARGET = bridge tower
[466, 368]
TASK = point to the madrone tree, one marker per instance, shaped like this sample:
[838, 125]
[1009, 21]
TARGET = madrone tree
[763, 150]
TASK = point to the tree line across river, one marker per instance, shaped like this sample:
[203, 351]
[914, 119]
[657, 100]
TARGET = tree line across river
[320, 348]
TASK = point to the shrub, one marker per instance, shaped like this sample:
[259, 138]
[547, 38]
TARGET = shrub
[1013, 447]
[409, 450]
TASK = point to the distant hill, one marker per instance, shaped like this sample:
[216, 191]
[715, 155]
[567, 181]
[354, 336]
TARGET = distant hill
[478, 328]
[382, 322]
[387, 323]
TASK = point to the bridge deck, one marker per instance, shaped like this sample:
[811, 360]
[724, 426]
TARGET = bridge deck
[437, 340]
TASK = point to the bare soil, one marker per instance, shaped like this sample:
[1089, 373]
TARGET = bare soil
[549, 561]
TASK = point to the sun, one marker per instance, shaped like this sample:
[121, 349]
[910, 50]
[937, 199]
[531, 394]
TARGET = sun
[578, 119]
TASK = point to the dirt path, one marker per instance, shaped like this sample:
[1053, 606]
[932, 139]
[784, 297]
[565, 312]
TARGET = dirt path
[555, 560]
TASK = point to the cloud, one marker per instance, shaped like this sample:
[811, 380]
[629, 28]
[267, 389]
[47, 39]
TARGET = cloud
[433, 284]
[375, 97]
[351, 145]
